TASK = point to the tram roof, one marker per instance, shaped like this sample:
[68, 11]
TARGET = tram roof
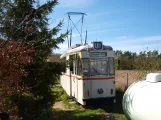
[87, 47]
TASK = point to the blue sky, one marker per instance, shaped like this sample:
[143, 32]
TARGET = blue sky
[133, 25]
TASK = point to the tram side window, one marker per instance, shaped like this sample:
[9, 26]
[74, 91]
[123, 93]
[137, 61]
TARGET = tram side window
[71, 63]
[86, 67]
[79, 66]
[76, 64]
[111, 66]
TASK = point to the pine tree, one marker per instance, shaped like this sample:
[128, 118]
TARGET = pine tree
[27, 23]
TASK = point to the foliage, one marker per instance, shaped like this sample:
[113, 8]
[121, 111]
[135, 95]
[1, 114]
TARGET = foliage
[13, 58]
[119, 117]
[87, 114]
[60, 94]
[26, 22]
[145, 60]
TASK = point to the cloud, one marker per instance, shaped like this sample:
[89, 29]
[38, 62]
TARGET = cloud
[136, 44]
[137, 48]
[122, 37]
[136, 40]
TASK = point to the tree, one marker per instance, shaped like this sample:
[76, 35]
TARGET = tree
[127, 54]
[155, 53]
[142, 53]
[13, 58]
[118, 52]
[27, 24]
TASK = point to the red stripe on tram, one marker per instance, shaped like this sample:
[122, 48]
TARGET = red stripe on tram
[106, 78]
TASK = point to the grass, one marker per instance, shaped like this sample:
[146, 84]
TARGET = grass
[93, 111]
[119, 116]
[60, 94]
[78, 115]
[88, 114]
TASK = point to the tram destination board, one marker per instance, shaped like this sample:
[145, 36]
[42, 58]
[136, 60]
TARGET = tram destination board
[98, 54]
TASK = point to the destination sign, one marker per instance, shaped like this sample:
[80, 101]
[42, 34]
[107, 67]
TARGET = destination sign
[98, 54]
[97, 45]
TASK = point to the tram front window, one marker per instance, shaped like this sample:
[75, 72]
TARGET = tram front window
[99, 67]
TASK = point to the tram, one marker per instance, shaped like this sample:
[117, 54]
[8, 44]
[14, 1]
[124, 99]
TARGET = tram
[89, 72]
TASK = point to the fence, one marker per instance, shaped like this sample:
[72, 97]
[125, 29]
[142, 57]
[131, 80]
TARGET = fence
[124, 77]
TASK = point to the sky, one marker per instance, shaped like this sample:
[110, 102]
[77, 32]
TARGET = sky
[127, 25]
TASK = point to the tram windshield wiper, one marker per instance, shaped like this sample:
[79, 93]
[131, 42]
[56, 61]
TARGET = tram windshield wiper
[96, 70]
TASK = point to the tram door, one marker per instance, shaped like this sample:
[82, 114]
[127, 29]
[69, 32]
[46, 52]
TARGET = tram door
[87, 88]
[70, 79]
[69, 72]
[73, 78]
[75, 81]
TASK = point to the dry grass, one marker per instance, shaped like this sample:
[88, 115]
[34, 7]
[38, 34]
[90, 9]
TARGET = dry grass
[133, 75]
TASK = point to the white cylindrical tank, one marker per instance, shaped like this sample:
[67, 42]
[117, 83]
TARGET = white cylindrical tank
[142, 100]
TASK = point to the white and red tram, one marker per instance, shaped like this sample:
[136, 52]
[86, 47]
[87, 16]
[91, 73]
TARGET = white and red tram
[90, 72]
